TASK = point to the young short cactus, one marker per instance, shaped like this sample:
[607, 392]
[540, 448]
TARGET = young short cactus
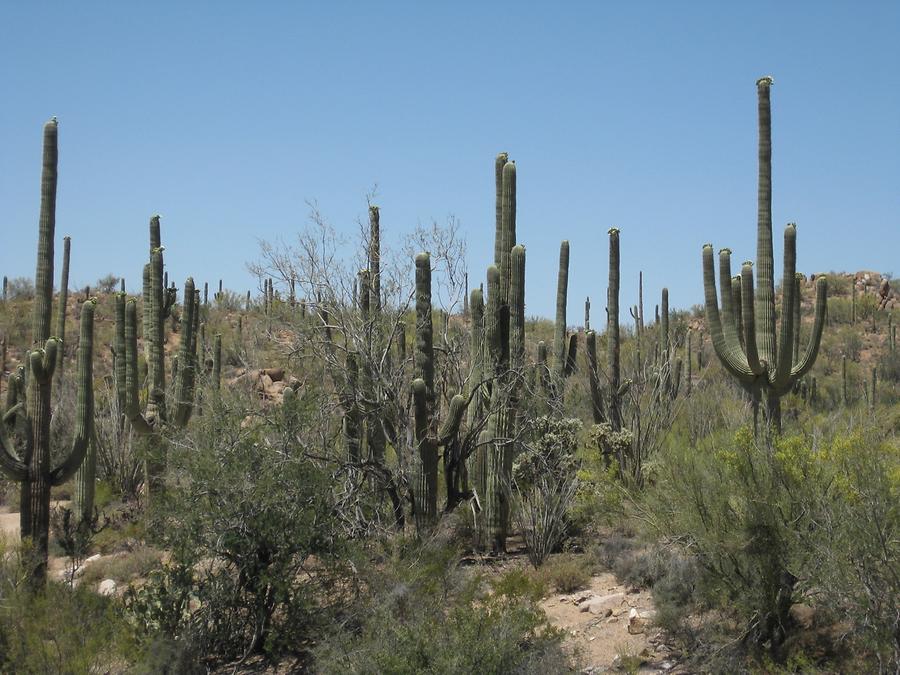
[30, 396]
[762, 366]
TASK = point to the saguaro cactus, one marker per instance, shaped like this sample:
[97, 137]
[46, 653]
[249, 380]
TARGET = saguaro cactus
[496, 445]
[612, 332]
[429, 437]
[31, 465]
[762, 366]
[157, 304]
[559, 328]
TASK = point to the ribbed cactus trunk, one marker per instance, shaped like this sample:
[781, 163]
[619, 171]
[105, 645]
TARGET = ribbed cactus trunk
[844, 391]
[476, 358]
[375, 260]
[587, 314]
[426, 480]
[157, 301]
[63, 303]
[612, 332]
[559, 327]
[593, 378]
[31, 465]
[765, 367]
[217, 362]
[689, 380]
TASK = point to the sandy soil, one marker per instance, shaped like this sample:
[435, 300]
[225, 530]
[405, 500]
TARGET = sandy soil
[597, 621]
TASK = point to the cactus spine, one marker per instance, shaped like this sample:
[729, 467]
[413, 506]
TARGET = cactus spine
[31, 464]
[764, 365]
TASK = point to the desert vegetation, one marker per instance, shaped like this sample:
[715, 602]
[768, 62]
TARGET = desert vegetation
[369, 467]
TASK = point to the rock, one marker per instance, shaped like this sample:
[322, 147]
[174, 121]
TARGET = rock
[107, 587]
[265, 382]
[275, 374]
[602, 605]
[635, 622]
[584, 596]
[667, 665]
[92, 558]
[804, 615]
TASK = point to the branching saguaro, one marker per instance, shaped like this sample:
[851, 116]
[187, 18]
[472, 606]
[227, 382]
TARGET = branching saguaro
[157, 305]
[25, 455]
[765, 366]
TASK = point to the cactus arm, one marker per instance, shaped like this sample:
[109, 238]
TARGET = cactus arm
[493, 334]
[84, 419]
[780, 376]
[593, 379]
[738, 308]
[184, 385]
[572, 355]
[726, 286]
[132, 404]
[63, 302]
[732, 358]
[796, 316]
[508, 228]
[517, 310]
[499, 163]
[119, 361]
[812, 348]
[476, 355]
[748, 320]
[450, 426]
[10, 465]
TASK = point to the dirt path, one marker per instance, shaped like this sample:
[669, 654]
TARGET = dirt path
[610, 629]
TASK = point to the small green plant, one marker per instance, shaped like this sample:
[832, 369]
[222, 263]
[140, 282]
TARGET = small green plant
[566, 572]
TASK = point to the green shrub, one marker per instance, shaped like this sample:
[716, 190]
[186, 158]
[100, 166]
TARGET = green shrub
[566, 572]
[425, 616]
[59, 630]
[773, 524]
[244, 513]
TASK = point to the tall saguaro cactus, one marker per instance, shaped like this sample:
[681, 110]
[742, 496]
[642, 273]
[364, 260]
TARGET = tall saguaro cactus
[559, 328]
[429, 437]
[31, 465]
[612, 332]
[158, 301]
[763, 365]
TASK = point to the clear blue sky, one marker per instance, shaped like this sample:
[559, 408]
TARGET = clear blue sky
[226, 117]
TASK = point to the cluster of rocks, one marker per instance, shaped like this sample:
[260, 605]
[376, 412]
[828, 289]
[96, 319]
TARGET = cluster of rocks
[613, 607]
[106, 587]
